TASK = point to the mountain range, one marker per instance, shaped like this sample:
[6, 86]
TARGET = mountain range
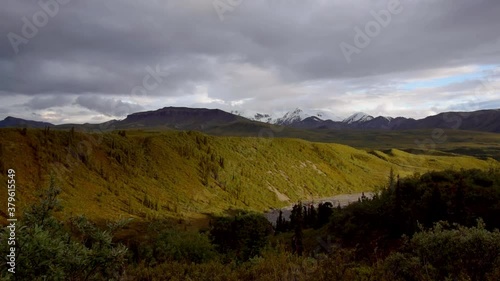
[202, 119]
[482, 120]
[289, 118]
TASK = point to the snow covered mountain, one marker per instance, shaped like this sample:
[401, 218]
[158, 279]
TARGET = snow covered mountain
[289, 118]
[256, 116]
[314, 119]
[358, 117]
[298, 115]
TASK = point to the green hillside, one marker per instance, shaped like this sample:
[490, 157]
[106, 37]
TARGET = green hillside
[473, 143]
[152, 175]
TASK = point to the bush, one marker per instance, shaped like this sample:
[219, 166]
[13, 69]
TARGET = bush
[46, 250]
[448, 251]
[174, 245]
[241, 237]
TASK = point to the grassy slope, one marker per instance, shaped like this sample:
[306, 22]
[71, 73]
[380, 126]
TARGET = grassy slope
[160, 174]
[479, 144]
[474, 143]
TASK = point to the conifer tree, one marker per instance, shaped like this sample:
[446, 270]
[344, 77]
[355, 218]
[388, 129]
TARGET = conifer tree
[297, 221]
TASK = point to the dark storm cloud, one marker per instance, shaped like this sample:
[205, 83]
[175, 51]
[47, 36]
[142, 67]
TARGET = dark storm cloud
[107, 106]
[104, 48]
[42, 102]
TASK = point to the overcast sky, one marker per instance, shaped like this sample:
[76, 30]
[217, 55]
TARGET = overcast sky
[95, 60]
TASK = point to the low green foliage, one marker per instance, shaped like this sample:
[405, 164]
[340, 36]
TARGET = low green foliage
[373, 239]
[47, 250]
[240, 237]
[450, 252]
[182, 246]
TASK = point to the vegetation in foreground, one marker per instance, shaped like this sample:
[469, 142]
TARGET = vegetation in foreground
[437, 226]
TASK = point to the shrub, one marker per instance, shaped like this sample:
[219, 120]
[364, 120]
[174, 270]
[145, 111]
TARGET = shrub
[241, 237]
[47, 250]
[448, 251]
[173, 245]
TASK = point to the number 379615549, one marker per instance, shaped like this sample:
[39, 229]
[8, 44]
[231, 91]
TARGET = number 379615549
[11, 191]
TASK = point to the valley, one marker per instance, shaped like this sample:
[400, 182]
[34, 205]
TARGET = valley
[189, 175]
[165, 201]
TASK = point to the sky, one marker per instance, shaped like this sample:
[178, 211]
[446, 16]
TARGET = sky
[65, 61]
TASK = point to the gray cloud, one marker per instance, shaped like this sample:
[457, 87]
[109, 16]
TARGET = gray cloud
[268, 53]
[107, 106]
[44, 102]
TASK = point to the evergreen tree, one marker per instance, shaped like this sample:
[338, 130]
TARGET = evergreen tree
[436, 209]
[398, 223]
[297, 221]
[313, 216]
[280, 223]
[325, 210]
[459, 204]
[392, 179]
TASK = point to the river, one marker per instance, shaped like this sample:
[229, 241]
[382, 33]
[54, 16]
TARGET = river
[342, 199]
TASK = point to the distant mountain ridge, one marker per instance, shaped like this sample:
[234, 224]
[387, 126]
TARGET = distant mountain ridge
[481, 120]
[203, 119]
[10, 121]
[179, 118]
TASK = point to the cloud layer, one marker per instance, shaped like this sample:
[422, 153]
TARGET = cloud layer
[74, 60]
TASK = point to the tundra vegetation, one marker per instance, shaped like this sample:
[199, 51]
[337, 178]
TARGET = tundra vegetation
[421, 224]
